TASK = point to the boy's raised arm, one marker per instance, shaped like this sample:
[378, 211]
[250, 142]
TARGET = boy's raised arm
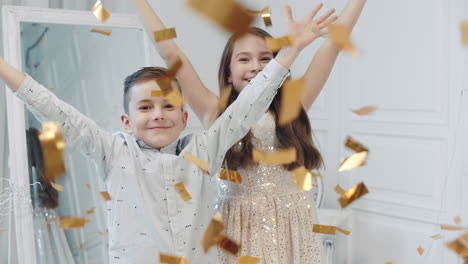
[10, 75]
[80, 131]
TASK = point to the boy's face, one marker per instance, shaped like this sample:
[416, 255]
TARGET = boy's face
[152, 119]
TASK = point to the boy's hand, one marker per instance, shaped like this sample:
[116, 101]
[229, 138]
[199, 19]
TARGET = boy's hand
[308, 29]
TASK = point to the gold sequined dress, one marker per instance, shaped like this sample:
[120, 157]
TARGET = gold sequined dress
[267, 214]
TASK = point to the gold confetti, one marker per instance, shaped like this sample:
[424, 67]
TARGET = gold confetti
[367, 110]
[157, 93]
[284, 156]
[56, 186]
[106, 196]
[265, 12]
[341, 36]
[420, 250]
[353, 194]
[90, 211]
[224, 98]
[183, 191]
[72, 222]
[203, 165]
[291, 102]
[457, 220]
[100, 11]
[452, 227]
[2, 230]
[174, 98]
[247, 260]
[343, 231]
[354, 145]
[81, 246]
[340, 190]
[353, 161]
[214, 235]
[460, 246]
[275, 44]
[324, 229]
[303, 178]
[163, 258]
[53, 145]
[266, 15]
[436, 237]
[88, 186]
[228, 14]
[229, 175]
[165, 34]
[389, 262]
[102, 31]
[464, 32]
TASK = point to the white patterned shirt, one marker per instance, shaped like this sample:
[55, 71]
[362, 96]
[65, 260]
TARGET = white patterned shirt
[147, 215]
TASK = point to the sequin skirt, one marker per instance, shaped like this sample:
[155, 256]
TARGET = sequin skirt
[276, 229]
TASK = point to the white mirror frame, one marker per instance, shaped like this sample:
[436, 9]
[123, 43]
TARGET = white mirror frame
[18, 160]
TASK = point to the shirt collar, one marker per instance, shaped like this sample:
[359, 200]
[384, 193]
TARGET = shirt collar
[170, 149]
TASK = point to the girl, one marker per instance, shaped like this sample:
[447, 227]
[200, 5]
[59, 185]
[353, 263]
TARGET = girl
[267, 214]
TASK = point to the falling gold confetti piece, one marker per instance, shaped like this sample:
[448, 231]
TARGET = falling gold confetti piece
[275, 44]
[452, 227]
[165, 34]
[457, 220]
[355, 146]
[353, 194]
[353, 161]
[57, 187]
[53, 145]
[102, 31]
[464, 32]
[367, 110]
[266, 15]
[341, 36]
[90, 211]
[214, 235]
[174, 98]
[174, 68]
[183, 191]
[224, 98]
[2, 230]
[228, 14]
[343, 231]
[420, 250]
[340, 190]
[163, 258]
[156, 93]
[203, 165]
[247, 260]
[100, 11]
[81, 246]
[291, 102]
[51, 220]
[388, 262]
[436, 237]
[324, 229]
[72, 222]
[303, 178]
[229, 175]
[106, 196]
[460, 246]
[88, 186]
[284, 156]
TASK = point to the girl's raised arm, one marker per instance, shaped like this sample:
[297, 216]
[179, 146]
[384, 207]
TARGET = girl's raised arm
[203, 102]
[322, 63]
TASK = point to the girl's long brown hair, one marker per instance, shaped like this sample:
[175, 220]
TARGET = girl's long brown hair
[297, 134]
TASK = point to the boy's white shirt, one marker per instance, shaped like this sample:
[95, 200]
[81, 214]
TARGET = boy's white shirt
[146, 215]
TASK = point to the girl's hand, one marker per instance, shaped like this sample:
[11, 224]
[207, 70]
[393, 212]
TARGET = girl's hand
[308, 29]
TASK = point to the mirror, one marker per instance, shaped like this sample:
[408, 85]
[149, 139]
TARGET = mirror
[86, 69]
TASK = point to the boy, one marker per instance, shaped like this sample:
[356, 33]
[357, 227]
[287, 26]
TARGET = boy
[147, 215]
